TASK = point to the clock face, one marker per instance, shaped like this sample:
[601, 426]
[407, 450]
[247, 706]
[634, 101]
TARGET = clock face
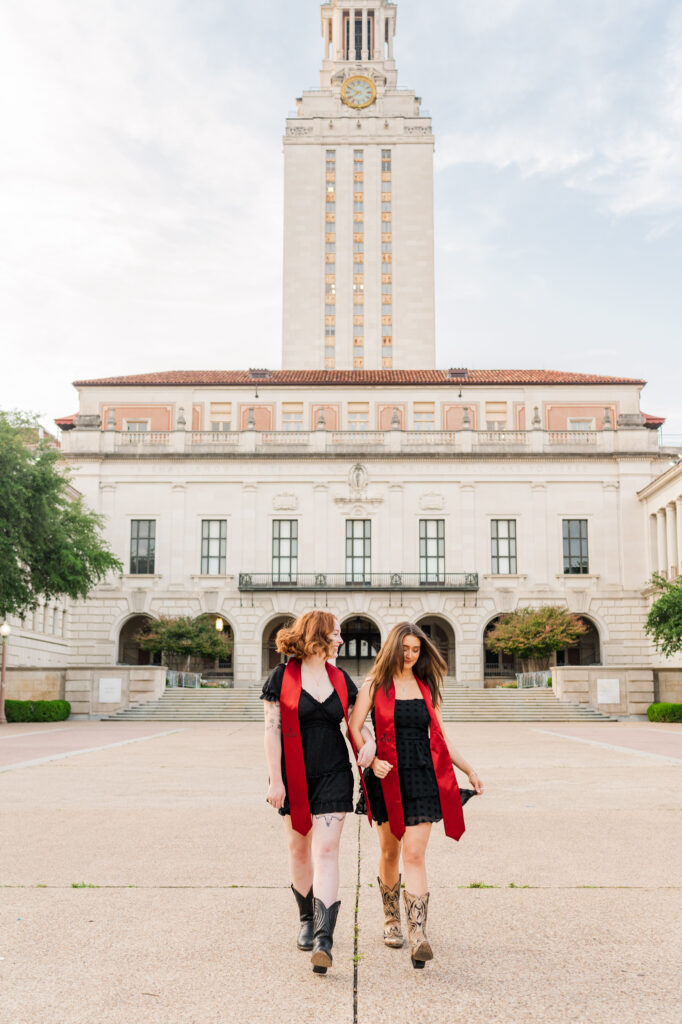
[358, 92]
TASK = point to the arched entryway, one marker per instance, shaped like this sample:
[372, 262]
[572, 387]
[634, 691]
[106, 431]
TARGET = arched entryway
[498, 666]
[442, 635]
[129, 650]
[588, 649]
[271, 656]
[361, 643]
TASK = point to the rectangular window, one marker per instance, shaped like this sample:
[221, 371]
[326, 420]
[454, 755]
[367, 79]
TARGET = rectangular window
[424, 416]
[576, 560]
[213, 547]
[137, 426]
[358, 550]
[358, 416]
[496, 415]
[431, 550]
[292, 416]
[581, 424]
[142, 546]
[503, 546]
[284, 550]
[221, 426]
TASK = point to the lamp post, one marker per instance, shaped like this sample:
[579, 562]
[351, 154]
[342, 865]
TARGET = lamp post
[5, 631]
[219, 625]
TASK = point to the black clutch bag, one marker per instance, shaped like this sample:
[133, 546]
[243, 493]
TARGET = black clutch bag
[466, 794]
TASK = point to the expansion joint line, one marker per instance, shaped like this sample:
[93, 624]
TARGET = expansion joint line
[356, 939]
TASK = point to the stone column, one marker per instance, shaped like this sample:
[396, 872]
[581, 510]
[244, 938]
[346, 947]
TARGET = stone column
[320, 533]
[661, 546]
[337, 35]
[177, 544]
[467, 532]
[671, 539]
[355, 13]
[365, 47]
[652, 549]
[536, 558]
[391, 29]
[248, 550]
[613, 563]
[678, 505]
[395, 562]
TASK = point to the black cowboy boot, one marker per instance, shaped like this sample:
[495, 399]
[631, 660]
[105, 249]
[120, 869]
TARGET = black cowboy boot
[305, 912]
[325, 922]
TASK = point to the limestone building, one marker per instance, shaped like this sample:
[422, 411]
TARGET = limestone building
[359, 477]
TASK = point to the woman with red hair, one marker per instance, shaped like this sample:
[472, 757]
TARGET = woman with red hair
[311, 779]
[411, 782]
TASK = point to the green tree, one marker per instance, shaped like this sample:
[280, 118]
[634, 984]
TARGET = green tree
[533, 634]
[185, 637]
[50, 542]
[664, 622]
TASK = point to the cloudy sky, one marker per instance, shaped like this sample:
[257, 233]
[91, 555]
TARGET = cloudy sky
[141, 185]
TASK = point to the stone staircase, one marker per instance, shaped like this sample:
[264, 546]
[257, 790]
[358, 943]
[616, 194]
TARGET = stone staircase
[460, 704]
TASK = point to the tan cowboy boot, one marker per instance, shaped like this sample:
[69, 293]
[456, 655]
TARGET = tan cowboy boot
[393, 935]
[416, 909]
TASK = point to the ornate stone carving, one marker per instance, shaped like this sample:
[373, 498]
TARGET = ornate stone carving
[300, 130]
[417, 129]
[358, 478]
[432, 501]
[285, 502]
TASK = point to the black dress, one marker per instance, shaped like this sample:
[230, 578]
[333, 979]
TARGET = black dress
[418, 786]
[328, 772]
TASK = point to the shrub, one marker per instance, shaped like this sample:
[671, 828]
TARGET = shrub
[665, 713]
[37, 710]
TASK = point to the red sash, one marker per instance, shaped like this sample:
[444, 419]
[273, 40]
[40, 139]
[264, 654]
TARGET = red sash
[448, 790]
[297, 787]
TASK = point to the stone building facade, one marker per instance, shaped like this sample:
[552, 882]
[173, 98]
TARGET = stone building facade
[360, 478]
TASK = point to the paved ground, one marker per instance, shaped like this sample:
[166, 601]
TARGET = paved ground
[143, 879]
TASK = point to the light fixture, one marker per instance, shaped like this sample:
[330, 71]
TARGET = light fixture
[219, 625]
[5, 630]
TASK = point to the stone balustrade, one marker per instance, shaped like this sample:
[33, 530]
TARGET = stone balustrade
[326, 442]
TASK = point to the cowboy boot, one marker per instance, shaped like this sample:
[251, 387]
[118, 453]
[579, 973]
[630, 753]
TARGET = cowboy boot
[416, 909]
[305, 912]
[325, 922]
[393, 935]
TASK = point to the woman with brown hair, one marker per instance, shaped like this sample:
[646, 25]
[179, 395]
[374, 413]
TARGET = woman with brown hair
[311, 780]
[411, 782]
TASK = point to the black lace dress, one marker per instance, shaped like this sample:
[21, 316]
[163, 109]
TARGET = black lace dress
[328, 771]
[418, 786]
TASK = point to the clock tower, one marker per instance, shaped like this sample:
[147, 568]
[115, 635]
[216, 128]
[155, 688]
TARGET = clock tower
[358, 207]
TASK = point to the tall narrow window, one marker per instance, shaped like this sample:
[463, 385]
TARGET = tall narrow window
[292, 416]
[431, 550]
[358, 416]
[142, 546]
[284, 550]
[503, 546]
[386, 259]
[358, 259]
[330, 262]
[424, 416]
[213, 547]
[576, 558]
[358, 551]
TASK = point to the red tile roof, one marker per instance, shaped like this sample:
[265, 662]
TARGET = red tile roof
[653, 422]
[304, 378]
[66, 422]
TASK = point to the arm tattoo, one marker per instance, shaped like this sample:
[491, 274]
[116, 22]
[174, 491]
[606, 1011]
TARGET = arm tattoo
[273, 718]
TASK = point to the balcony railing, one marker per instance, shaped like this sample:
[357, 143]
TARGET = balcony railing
[399, 581]
[271, 443]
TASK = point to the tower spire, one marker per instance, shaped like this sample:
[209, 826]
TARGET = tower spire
[358, 33]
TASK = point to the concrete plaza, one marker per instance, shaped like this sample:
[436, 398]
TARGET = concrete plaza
[143, 879]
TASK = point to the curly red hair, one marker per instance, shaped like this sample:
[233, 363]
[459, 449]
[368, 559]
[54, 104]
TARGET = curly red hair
[308, 636]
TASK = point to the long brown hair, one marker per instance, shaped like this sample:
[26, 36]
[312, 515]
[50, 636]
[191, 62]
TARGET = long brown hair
[429, 668]
[308, 636]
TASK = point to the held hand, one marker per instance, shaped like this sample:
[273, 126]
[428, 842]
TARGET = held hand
[366, 754]
[276, 795]
[476, 782]
[381, 768]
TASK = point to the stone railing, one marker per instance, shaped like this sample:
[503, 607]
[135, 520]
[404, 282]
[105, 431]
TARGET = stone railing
[444, 442]
[398, 581]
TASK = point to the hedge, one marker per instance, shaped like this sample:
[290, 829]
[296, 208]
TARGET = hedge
[37, 710]
[665, 713]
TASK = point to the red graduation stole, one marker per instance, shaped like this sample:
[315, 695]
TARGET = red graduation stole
[448, 790]
[297, 786]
